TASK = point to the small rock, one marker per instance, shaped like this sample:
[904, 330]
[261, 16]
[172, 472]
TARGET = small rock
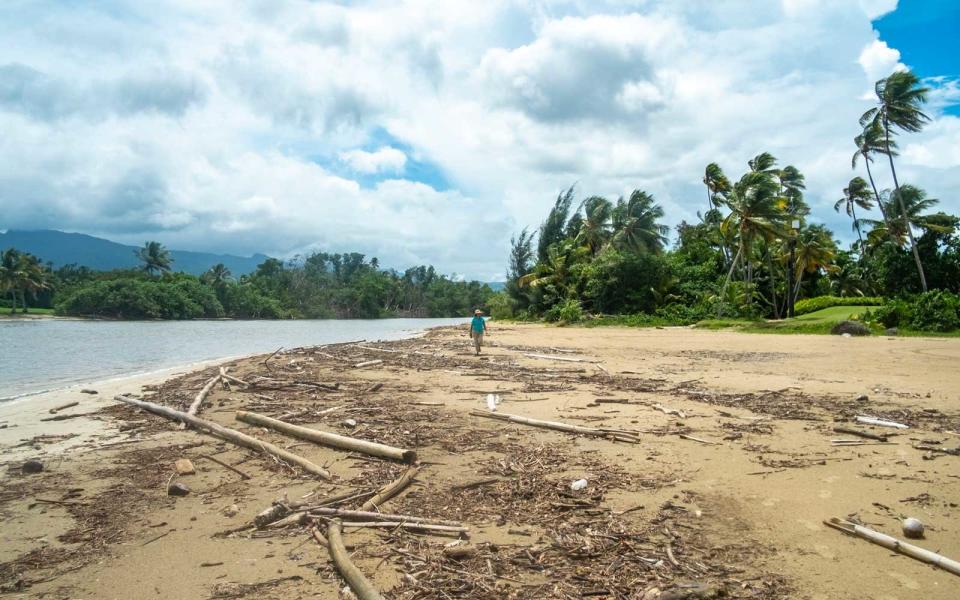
[231, 511]
[862, 398]
[351, 423]
[892, 331]
[177, 489]
[184, 466]
[850, 327]
[32, 466]
[913, 528]
[578, 485]
[846, 334]
[88, 391]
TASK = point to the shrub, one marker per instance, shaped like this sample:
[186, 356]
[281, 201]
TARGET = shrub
[809, 305]
[501, 306]
[936, 311]
[892, 314]
[141, 299]
[570, 311]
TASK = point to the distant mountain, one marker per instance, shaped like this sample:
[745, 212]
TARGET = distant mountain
[497, 285]
[62, 248]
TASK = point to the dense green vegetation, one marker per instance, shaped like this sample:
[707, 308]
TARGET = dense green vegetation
[754, 252]
[319, 286]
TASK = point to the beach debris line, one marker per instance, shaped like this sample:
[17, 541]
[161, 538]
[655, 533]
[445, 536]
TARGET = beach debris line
[332, 440]
[238, 438]
[358, 583]
[616, 434]
[892, 543]
[880, 422]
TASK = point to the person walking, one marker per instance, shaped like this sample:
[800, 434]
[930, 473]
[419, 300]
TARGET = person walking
[478, 326]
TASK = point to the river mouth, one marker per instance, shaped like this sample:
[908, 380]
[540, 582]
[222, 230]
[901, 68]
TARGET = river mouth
[42, 355]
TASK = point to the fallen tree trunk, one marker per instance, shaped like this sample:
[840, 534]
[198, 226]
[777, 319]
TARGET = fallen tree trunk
[198, 400]
[360, 585]
[329, 439]
[566, 427]
[238, 438]
[391, 489]
[362, 514]
[892, 543]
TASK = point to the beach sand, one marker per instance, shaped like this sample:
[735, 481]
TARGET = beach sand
[737, 503]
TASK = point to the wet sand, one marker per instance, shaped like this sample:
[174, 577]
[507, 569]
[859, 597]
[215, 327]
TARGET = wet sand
[737, 503]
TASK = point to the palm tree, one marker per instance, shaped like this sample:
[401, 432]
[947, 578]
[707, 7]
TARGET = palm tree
[899, 98]
[753, 213]
[217, 276]
[155, 258]
[717, 185]
[763, 163]
[33, 277]
[792, 184]
[595, 228]
[10, 276]
[636, 224]
[854, 195]
[868, 143]
[556, 273]
[815, 250]
[916, 203]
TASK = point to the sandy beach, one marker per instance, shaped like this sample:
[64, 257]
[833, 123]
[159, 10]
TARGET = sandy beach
[728, 485]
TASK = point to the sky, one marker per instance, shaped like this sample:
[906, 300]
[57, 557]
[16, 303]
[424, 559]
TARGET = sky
[430, 131]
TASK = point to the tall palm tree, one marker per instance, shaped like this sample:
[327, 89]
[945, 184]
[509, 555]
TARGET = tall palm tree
[854, 195]
[869, 142]
[556, 273]
[10, 275]
[899, 99]
[792, 183]
[595, 229]
[155, 258]
[815, 250]
[636, 224]
[916, 204]
[763, 163]
[753, 214]
[717, 185]
[217, 276]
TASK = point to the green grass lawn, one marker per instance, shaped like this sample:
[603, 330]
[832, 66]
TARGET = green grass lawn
[832, 314]
[820, 321]
[5, 312]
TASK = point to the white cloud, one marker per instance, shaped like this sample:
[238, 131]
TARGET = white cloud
[382, 160]
[240, 127]
[879, 60]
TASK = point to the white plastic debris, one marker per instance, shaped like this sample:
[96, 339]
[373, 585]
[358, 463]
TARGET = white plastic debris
[880, 422]
[492, 401]
[351, 423]
[578, 485]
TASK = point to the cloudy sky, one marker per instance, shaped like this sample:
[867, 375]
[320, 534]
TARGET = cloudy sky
[430, 131]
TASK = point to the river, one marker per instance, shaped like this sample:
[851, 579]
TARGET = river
[46, 354]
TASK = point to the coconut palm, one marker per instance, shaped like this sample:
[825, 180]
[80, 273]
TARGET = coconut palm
[916, 204]
[717, 185]
[217, 276]
[854, 195]
[870, 142]
[555, 274]
[636, 225]
[753, 214]
[899, 99]
[815, 250]
[10, 275]
[763, 163]
[595, 229]
[792, 184]
[155, 258]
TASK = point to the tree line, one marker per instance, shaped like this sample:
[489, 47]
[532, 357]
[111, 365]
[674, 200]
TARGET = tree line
[320, 285]
[753, 252]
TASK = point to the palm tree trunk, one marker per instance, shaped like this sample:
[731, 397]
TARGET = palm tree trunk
[796, 290]
[856, 223]
[883, 211]
[709, 203]
[13, 301]
[903, 209]
[723, 290]
[773, 286]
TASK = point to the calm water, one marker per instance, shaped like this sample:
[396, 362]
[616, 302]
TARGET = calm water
[48, 354]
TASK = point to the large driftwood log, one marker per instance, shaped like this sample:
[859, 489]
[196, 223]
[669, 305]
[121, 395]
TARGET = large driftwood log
[360, 585]
[373, 516]
[202, 394]
[238, 438]
[391, 489]
[892, 543]
[622, 436]
[329, 439]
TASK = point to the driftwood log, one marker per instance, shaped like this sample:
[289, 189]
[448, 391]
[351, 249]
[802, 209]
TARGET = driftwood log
[391, 489]
[373, 516]
[863, 434]
[202, 394]
[56, 409]
[892, 543]
[332, 440]
[622, 436]
[238, 438]
[360, 585]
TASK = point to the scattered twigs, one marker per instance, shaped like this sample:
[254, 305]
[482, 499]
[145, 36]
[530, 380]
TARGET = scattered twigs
[362, 347]
[863, 434]
[362, 514]
[880, 422]
[225, 465]
[367, 363]
[391, 489]
[238, 438]
[622, 436]
[266, 361]
[329, 439]
[892, 543]
[360, 585]
[57, 409]
[233, 379]
[473, 484]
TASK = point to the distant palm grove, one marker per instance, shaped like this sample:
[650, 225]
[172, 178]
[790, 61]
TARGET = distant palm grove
[754, 251]
[322, 285]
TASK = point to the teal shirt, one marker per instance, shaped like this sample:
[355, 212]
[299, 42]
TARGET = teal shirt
[477, 324]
